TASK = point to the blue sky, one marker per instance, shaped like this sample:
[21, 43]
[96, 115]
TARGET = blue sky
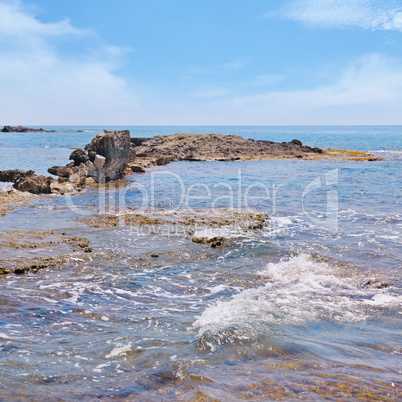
[210, 62]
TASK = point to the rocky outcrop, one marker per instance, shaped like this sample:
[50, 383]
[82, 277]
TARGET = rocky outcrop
[115, 147]
[27, 181]
[33, 184]
[79, 156]
[217, 147]
[105, 158]
[9, 176]
[22, 129]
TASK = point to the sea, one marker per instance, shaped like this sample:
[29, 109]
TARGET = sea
[308, 307]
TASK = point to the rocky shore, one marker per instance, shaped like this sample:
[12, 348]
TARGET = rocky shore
[161, 150]
[114, 154]
[218, 147]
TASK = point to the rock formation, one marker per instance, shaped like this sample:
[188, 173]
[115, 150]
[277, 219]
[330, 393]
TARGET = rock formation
[105, 158]
[27, 181]
[22, 129]
[115, 147]
[110, 156]
[216, 147]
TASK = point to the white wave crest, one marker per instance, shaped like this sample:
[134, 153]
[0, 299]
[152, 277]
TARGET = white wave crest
[298, 290]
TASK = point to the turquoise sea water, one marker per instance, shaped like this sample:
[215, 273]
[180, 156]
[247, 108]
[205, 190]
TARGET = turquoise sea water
[307, 308]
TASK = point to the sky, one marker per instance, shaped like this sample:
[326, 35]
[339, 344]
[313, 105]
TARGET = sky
[193, 62]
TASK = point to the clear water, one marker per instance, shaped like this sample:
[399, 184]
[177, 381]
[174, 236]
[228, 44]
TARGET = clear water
[289, 312]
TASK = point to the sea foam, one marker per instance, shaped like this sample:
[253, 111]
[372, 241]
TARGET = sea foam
[297, 290]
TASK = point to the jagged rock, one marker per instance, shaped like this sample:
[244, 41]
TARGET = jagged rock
[217, 147]
[9, 176]
[61, 171]
[87, 169]
[115, 147]
[33, 184]
[79, 156]
[27, 181]
[107, 158]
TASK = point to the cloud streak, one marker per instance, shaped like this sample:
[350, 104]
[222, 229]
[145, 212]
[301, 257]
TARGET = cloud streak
[369, 91]
[41, 85]
[365, 14]
[16, 23]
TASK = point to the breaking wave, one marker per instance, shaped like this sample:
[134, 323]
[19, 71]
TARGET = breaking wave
[298, 290]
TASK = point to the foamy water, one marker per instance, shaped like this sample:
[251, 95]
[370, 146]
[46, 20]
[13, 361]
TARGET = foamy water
[307, 306]
[298, 290]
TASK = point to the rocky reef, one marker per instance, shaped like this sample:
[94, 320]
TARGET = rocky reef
[22, 129]
[113, 154]
[217, 147]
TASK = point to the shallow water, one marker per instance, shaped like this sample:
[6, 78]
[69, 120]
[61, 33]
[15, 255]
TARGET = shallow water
[308, 307]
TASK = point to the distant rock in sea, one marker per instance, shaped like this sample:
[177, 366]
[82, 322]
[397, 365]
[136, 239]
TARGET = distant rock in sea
[22, 129]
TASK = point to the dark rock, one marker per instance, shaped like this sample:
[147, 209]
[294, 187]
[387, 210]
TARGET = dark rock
[61, 171]
[137, 141]
[79, 156]
[9, 176]
[296, 142]
[137, 169]
[115, 147]
[216, 241]
[33, 184]
[91, 155]
[27, 181]
[377, 284]
[22, 129]
[317, 150]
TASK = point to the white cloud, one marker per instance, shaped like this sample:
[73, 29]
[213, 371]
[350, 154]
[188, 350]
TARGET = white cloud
[41, 85]
[368, 92]
[17, 23]
[366, 14]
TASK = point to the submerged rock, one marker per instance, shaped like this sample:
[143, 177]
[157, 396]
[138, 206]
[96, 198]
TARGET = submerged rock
[214, 242]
